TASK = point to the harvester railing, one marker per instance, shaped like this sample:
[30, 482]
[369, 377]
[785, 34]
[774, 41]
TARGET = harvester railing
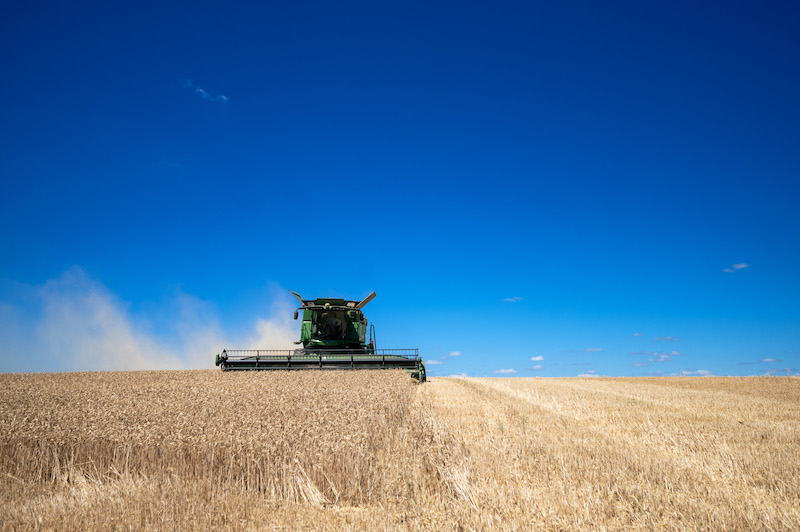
[247, 359]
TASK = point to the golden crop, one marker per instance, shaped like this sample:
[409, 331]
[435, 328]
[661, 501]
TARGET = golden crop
[373, 450]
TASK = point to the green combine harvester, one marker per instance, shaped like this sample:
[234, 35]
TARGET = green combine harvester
[334, 336]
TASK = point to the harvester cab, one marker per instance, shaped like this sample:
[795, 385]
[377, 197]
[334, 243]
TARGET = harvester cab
[334, 335]
[333, 323]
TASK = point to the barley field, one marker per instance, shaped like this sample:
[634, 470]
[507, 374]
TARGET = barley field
[373, 450]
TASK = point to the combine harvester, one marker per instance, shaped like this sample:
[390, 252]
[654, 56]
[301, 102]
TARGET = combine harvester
[333, 334]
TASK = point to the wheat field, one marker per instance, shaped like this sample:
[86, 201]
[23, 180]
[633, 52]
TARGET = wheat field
[373, 450]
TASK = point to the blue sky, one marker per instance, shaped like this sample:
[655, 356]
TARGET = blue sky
[535, 189]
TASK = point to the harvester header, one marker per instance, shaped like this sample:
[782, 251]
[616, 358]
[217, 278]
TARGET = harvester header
[333, 334]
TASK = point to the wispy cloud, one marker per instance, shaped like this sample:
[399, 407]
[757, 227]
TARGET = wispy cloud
[211, 97]
[461, 375]
[640, 364]
[762, 361]
[76, 323]
[697, 373]
[664, 357]
[640, 353]
[665, 339]
[537, 358]
[505, 371]
[684, 373]
[735, 267]
[592, 349]
[433, 362]
[454, 354]
[590, 373]
[636, 334]
[512, 299]
[536, 367]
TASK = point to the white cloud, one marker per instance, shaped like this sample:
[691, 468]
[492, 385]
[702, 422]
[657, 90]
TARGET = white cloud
[636, 334]
[433, 362]
[697, 373]
[512, 299]
[75, 322]
[684, 373]
[733, 267]
[763, 360]
[537, 367]
[505, 371]
[664, 357]
[593, 349]
[454, 354]
[640, 364]
[458, 375]
[665, 339]
[537, 358]
[590, 373]
[187, 84]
